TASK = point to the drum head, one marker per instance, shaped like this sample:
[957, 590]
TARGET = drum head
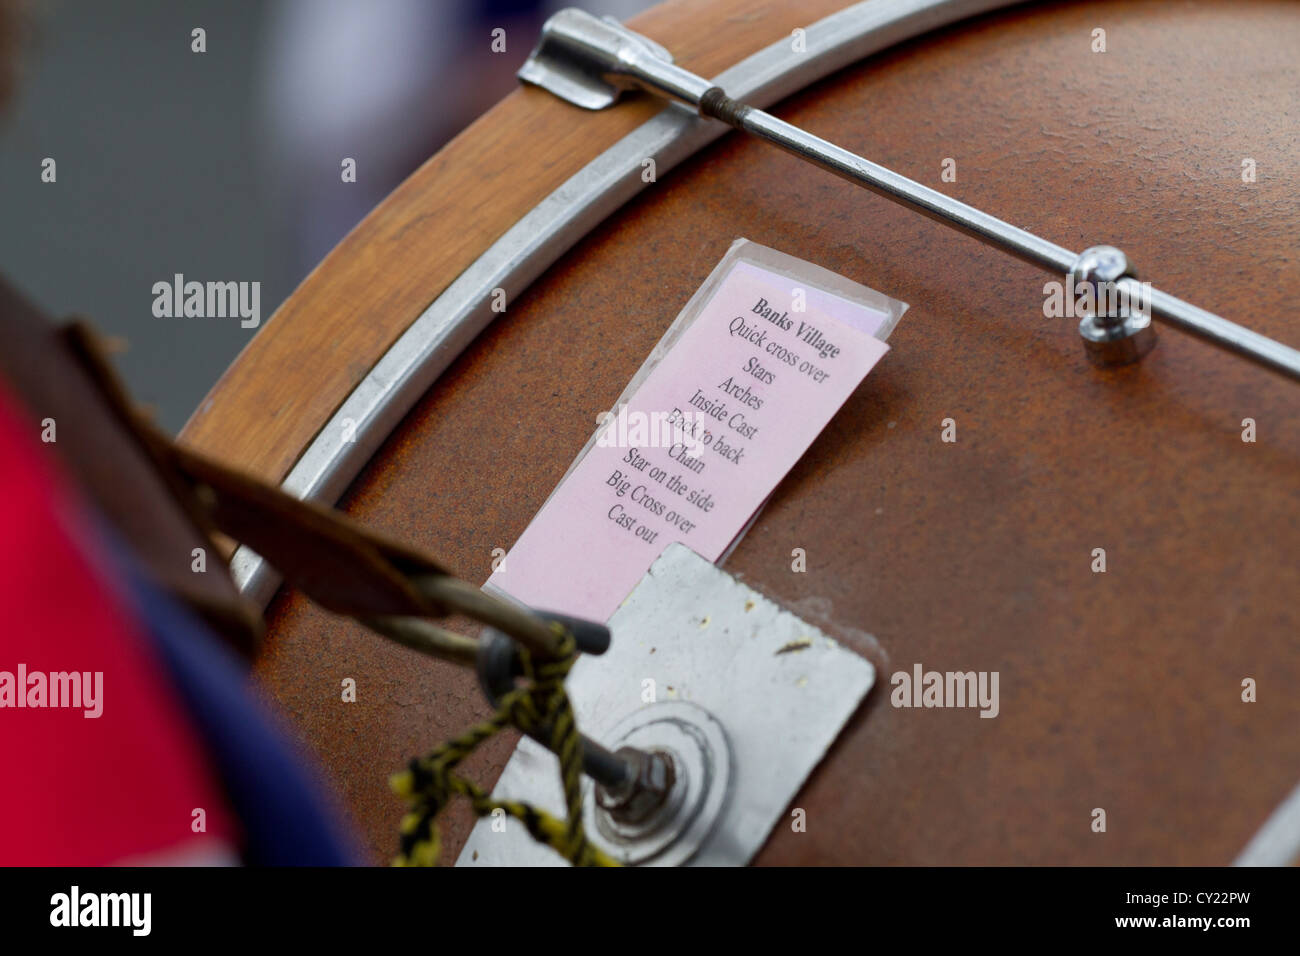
[1120, 690]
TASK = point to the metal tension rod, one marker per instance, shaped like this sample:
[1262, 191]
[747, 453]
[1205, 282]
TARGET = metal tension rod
[590, 62]
[629, 780]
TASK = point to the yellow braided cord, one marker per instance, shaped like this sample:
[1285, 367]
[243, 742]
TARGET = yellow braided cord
[430, 782]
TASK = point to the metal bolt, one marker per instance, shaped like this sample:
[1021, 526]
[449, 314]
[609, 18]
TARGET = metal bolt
[1114, 332]
[645, 789]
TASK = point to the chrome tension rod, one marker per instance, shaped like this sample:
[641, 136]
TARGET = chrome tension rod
[590, 62]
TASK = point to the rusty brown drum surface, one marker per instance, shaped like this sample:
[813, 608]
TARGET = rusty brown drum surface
[1119, 690]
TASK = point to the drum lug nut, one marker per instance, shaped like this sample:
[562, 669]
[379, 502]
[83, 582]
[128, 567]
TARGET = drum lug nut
[1117, 329]
[649, 781]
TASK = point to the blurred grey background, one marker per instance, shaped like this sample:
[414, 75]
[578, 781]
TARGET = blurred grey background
[225, 165]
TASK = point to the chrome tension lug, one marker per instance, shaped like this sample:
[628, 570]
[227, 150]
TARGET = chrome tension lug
[1116, 327]
[583, 59]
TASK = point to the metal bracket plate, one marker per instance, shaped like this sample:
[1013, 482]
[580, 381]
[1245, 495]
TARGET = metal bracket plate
[565, 69]
[689, 631]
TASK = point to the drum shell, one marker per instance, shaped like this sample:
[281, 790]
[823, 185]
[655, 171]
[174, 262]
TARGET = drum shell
[1119, 690]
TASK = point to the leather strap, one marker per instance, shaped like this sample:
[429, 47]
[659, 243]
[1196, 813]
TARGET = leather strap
[104, 459]
[333, 560]
[166, 500]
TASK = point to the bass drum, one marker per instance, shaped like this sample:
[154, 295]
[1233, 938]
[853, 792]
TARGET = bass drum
[1161, 691]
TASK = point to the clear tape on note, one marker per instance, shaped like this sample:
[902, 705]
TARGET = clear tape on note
[752, 369]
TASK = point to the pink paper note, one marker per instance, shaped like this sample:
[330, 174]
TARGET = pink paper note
[702, 441]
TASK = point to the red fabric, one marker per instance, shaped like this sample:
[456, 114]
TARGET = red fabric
[77, 789]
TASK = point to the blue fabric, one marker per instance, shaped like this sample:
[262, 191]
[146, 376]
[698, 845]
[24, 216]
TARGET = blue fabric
[270, 789]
